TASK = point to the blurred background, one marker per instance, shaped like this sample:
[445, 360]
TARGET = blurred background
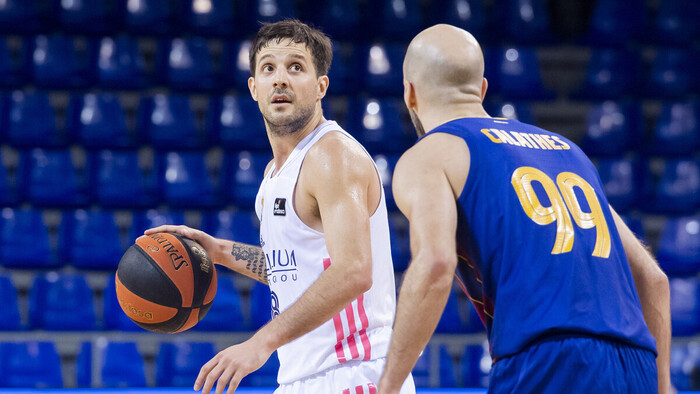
[120, 115]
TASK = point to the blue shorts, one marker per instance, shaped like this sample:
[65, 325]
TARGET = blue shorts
[577, 364]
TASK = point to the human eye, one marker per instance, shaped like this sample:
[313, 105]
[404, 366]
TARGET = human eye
[267, 68]
[295, 67]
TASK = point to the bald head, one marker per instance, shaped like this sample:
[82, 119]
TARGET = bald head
[443, 61]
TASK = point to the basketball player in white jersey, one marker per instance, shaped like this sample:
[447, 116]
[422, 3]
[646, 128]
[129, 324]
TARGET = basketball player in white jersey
[324, 236]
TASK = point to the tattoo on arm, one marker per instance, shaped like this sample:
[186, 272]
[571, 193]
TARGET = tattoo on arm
[254, 258]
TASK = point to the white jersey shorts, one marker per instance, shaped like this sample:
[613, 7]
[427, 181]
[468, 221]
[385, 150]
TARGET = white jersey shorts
[352, 377]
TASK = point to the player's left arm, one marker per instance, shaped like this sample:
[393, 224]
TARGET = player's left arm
[654, 295]
[340, 177]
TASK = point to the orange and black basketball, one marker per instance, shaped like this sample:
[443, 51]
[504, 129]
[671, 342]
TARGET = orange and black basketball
[165, 282]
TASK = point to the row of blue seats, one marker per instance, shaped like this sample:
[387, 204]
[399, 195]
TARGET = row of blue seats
[121, 364]
[61, 62]
[177, 364]
[171, 122]
[523, 21]
[233, 121]
[193, 179]
[64, 302]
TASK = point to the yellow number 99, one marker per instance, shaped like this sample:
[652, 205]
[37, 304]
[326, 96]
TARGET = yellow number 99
[561, 198]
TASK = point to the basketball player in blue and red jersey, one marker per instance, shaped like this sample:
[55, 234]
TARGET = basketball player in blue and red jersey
[324, 235]
[571, 300]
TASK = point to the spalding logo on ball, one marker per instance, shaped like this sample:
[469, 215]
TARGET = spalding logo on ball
[166, 283]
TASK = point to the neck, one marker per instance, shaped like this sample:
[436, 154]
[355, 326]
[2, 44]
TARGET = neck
[436, 114]
[283, 145]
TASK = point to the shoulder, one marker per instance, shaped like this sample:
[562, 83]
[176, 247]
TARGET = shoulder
[436, 153]
[336, 154]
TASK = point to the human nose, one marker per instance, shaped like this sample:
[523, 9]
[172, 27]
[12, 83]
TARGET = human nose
[280, 78]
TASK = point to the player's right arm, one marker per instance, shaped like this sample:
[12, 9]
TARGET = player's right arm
[423, 191]
[248, 260]
[654, 295]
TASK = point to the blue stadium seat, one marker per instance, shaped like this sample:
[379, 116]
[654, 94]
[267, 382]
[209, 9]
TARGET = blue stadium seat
[672, 185]
[421, 371]
[520, 110]
[399, 19]
[60, 62]
[13, 61]
[9, 314]
[611, 74]
[267, 11]
[345, 69]
[121, 181]
[236, 64]
[178, 363]
[169, 122]
[383, 64]
[685, 360]
[635, 224]
[51, 178]
[31, 120]
[30, 365]
[620, 177]
[466, 14]
[121, 365]
[617, 22]
[190, 65]
[677, 129]
[244, 172]
[514, 73]
[83, 366]
[91, 239]
[87, 17]
[149, 16]
[225, 313]
[98, 121]
[120, 64]
[679, 246]
[266, 376]
[386, 165]
[400, 243]
[676, 22]
[24, 241]
[237, 123]
[448, 377]
[212, 17]
[61, 302]
[611, 128]
[378, 125]
[8, 185]
[450, 321]
[187, 181]
[154, 218]
[260, 311]
[525, 22]
[671, 74]
[20, 16]
[240, 226]
[114, 316]
[476, 364]
[339, 19]
[685, 306]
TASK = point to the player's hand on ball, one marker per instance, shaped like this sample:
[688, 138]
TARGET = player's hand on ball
[207, 241]
[231, 365]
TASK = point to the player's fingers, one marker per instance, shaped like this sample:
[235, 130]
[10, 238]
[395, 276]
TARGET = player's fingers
[204, 372]
[223, 381]
[235, 381]
[211, 379]
[169, 228]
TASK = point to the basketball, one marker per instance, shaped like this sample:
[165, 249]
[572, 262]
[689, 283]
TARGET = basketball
[165, 283]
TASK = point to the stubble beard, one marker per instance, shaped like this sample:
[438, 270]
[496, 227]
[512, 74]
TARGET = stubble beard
[289, 124]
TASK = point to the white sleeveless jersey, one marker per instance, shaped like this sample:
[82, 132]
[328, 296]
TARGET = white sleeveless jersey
[297, 256]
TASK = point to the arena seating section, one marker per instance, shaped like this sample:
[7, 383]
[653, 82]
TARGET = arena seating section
[119, 115]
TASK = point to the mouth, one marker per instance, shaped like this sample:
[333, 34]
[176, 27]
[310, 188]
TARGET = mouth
[280, 99]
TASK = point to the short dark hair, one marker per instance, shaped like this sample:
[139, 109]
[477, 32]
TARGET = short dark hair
[298, 32]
